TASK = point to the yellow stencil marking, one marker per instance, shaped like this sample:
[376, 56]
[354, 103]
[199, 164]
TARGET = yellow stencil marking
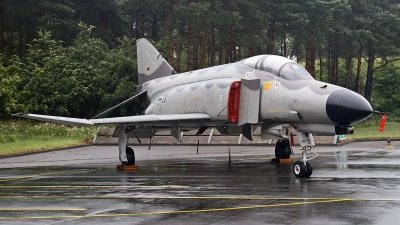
[267, 85]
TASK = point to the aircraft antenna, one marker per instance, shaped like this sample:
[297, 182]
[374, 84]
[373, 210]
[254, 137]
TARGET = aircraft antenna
[120, 104]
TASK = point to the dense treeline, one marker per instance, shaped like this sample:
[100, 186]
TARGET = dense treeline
[77, 57]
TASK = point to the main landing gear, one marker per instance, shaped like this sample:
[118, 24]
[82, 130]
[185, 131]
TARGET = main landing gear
[126, 154]
[129, 164]
[282, 149]
[130, 155]
[303, 168]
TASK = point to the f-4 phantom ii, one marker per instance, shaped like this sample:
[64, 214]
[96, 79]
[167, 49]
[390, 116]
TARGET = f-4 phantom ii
[267, 91]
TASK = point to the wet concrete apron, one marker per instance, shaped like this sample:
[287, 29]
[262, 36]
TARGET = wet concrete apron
[352, 184]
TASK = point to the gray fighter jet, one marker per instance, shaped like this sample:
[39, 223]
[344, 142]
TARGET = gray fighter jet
[269, 91]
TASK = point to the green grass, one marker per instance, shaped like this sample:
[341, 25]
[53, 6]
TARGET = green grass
[25, 136]
[35, 145]
[370, 131]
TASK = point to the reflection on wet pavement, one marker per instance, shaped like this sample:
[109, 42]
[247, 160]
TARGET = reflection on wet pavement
[341, 156]
[347, 187]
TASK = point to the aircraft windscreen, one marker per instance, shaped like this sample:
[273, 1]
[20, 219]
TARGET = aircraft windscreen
[293, 71]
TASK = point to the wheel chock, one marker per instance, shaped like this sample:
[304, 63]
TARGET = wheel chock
[275, 160]
[127, 167]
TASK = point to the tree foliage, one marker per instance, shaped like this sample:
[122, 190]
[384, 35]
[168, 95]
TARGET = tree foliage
[76, 58]
[78, 80]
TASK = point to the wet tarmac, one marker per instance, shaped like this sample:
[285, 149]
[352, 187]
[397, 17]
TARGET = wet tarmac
[358, 183]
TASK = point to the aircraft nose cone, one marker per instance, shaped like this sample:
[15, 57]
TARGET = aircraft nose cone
[346, 107]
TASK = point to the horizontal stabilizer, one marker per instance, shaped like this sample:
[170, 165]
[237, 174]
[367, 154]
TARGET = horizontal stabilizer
[56, 119]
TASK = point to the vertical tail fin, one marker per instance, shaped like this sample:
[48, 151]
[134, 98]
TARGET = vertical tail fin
[151, 64]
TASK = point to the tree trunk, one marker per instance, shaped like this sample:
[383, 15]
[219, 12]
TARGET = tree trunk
[320, 64]
[335, 61]
[10, 42]
[250, 51]
[178, 47]
[348, 70]
[271, 36]
[310, 59]
[220, 54]
[336, 70]
[28, 39]
[358, 79]
[333, 78]
[196, 49]
[234, 57]
[308, 56]
[370, 74]
[212, 48]
[137, 25]
[132, 31]
[178, 42]
[336, 54]
[154, 27]
[21, 43]
[142, 22]
[203, 59]
[284, 45]
[329, 61]
[1, 27]
[312, 65]
[250, 39]
[170, 34]
[228, 45]
[189, 64]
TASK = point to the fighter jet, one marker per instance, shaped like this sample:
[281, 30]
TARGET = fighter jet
[267, 91]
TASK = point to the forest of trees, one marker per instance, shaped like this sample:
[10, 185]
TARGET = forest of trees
[78, 57]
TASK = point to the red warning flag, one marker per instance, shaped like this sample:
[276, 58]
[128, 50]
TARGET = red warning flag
[383, 121]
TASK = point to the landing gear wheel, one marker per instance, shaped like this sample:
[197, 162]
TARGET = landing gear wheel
[282, 150]
[130, 155]
[309, 170]
[299, 169]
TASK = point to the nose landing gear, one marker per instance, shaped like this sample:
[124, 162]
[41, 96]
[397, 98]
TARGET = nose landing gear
[303, 168]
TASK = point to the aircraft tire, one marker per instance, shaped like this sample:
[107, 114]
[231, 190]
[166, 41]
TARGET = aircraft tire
[282, 150]
[130, 155]
[278, 150]
[299, 169]
[309, 170]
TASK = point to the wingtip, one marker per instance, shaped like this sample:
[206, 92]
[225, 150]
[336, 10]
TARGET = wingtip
[18, 114]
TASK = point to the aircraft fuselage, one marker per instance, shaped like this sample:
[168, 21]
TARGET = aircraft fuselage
[305, 103]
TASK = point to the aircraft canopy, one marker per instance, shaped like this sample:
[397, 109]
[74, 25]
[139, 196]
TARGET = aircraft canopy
[279, 66]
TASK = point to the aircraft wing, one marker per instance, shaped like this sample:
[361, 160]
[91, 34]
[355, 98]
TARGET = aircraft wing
[119, 121]
[56, 119]
[155, 119]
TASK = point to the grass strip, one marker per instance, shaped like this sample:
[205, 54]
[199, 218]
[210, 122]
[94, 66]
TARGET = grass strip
[26, 136]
